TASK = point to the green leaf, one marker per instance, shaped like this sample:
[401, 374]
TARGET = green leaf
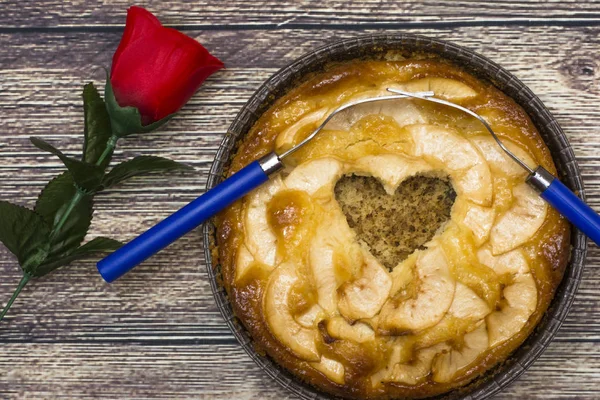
[139, 166]
[55, 195]
[97, 245]
[97, 130]
[52, 203]
[87, 176]
[127, 121]
[25, 234]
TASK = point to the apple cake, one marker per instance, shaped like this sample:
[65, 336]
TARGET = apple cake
[400, 254]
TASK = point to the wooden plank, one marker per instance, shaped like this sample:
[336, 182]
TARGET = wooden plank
[276, 14]
[85, 371]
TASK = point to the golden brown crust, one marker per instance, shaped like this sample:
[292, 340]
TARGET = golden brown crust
[547, 252]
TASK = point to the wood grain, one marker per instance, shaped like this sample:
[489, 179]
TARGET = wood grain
[89, 370]
[275, 14]
[157, 333]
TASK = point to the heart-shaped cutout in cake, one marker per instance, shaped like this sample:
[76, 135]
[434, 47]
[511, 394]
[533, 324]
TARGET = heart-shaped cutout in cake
[393, 227]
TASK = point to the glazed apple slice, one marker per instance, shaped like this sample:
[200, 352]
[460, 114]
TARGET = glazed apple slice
[498, 160]
[332, 237]
[402, 111]
[520, 222]
[458, 157]
[448, 89]
[434, 296]
[467, 305]
[260, 240]
[390, 169]
[364, 296]
[316, 175]
[332, 369]
[418, 370]
[520, 297]
[446, 365]
[299, 340]
[359, 332]
[306, 124]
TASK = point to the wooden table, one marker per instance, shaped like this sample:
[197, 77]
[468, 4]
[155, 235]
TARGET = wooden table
[157, 333]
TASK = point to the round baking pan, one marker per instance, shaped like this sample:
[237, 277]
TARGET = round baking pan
[373, 47]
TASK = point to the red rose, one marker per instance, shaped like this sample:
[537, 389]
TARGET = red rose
[157, 69]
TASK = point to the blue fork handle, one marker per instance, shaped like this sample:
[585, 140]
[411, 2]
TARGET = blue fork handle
[183, 221]
[567, 203]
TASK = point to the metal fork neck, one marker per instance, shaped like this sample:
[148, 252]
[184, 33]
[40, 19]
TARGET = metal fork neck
[270, 164]
[540, 179]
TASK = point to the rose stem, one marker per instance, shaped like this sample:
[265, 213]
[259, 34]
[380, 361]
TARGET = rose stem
[110, 146]
[20, 287]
